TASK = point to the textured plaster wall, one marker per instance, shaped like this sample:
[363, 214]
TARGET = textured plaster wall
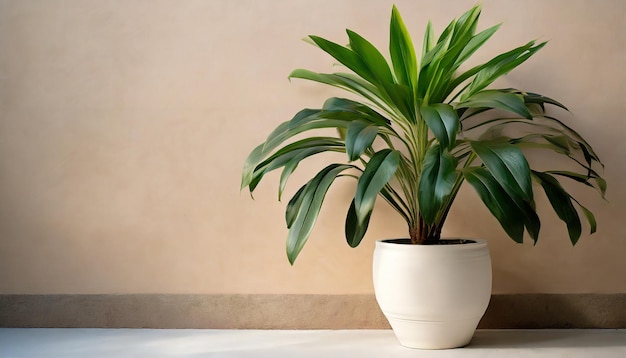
[124, 126]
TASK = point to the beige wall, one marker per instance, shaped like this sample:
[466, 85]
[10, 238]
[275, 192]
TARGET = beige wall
[124, 126]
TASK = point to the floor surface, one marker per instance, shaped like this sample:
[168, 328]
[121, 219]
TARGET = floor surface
[96, 343]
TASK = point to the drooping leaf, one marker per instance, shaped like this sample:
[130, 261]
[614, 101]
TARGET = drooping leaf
[378, 171]
[540, 99]
[309, 208]
[590, 218]
[561, 203]
[508, 165]
[443, 122]
[305, 120]
[355, 85]
[499, 100]
[291, 211]
[285, 155]
[496, 199]
[396, 202]
[355, 229]
[291, 166]
[582, 178]
[436, 182]
[352, 110]
[359, 136]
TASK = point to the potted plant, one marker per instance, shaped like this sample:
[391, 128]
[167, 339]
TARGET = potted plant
[413, 131]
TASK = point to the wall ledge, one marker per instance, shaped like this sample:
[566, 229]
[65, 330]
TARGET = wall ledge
[253, 311]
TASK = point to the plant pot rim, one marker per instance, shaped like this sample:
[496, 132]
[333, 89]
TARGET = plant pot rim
[468, 240]
[406, 244]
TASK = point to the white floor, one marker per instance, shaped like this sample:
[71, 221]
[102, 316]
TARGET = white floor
[96, 343]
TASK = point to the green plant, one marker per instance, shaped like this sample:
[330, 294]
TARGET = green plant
[419, 129]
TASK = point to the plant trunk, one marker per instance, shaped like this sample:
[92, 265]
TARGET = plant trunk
[424, 234]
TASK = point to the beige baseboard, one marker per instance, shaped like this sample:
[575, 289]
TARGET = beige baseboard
[291, 311]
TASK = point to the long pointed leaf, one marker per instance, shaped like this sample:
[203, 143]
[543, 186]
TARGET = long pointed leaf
[356, 109]
[490, 73]
[291, 211]
[402, 51]
[562, 204]
[499, 100]
[436, 182]
[346, 56]
[378, 171]
[600, 182]
[474, 44]
[310, 205]
[371, 57]
[291, 166]
[443, 122]
[361, 88]
[590, 218]
[429, 39]
[508, 165]
[497, 201]
[355, 228]
[359, 137]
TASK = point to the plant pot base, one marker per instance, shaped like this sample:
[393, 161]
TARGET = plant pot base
[433, 335]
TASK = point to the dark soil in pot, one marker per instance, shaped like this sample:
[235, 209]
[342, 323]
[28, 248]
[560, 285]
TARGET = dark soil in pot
[438, 242]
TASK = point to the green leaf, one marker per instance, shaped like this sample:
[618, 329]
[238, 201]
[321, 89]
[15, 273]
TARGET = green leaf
[443, 122]
[465, 26]
[378, 171]
[493, 69]
[355, 85]
[508, 165]
[256, 156]
[283, 132]
[530, 97]
[429, 39]
[499, 100]
[291, 211]
[346, 56]
[430, 75]
[436, 182]
[355, 229]
[474, 44]
[288, 153]
[562, 204]
[497, 201]
[501, 66]
[352, 110]
[371, 57]
[396, 202]
[402, 51]
[309, 208]
[291, 166]
[359, 137]
[590, 218]
[582, 178]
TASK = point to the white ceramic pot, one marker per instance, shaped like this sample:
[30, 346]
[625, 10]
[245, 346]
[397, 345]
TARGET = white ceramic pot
[432, 295]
